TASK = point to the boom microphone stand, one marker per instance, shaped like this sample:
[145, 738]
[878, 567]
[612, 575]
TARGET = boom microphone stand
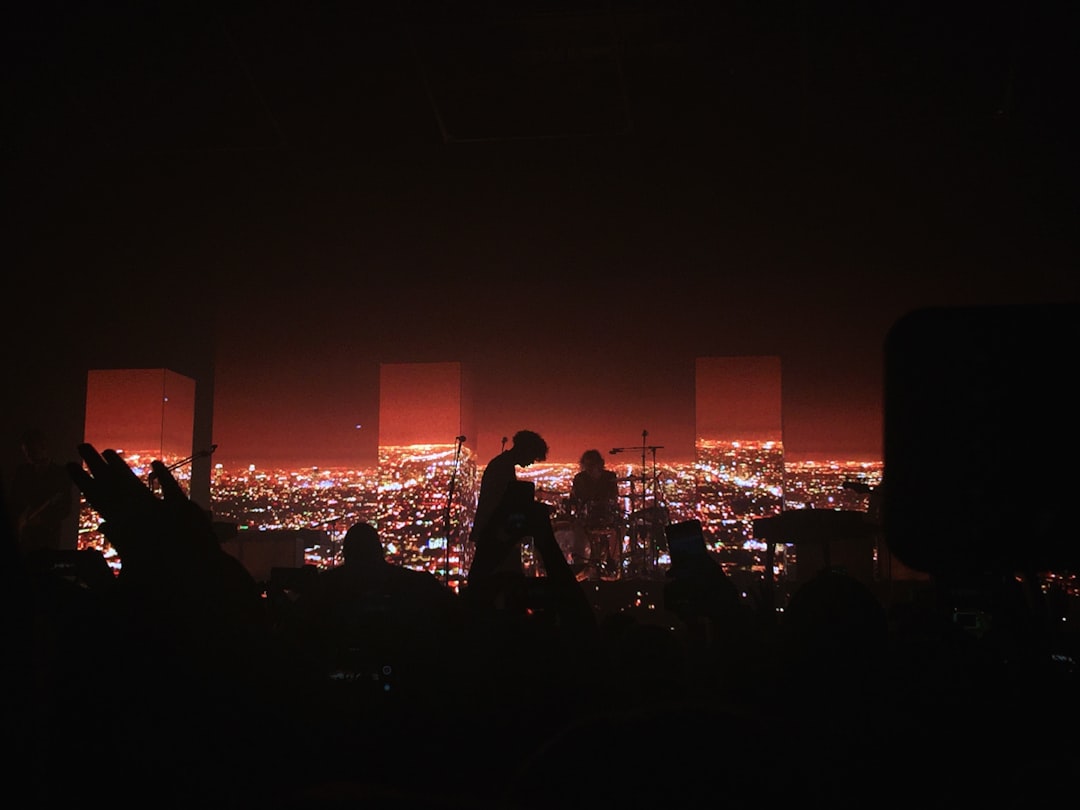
[449, 502]
[152, 477]
[643, 520]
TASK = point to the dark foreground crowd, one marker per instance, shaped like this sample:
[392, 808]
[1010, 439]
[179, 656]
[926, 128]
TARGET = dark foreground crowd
[184, 683]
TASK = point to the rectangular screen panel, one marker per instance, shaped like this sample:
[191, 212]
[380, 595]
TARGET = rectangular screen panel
[145, 412]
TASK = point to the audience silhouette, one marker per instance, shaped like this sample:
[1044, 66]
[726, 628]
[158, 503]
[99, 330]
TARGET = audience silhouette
[719, 624]
[41, 497]
[376, 621]
[365, 573]
[180, 640]
[385, 688]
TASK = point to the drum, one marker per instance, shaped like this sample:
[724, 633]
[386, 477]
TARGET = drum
[565, 537]
[600, 514]
[647, 526]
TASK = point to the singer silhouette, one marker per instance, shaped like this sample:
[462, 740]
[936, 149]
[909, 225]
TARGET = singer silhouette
[528, 447]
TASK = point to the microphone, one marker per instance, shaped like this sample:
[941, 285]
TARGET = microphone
[616, 450]
[461, 438]
[206, 453]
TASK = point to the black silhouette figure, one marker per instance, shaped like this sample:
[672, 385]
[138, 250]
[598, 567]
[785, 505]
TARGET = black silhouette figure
[167, 544]
[594, 501]
[380, 645]
[188, 638]
[534, 636]
[56, 653]
[377, 624]
[721, 627]
[41, 497]
[366, 574]
[556, 597]
[527, 448]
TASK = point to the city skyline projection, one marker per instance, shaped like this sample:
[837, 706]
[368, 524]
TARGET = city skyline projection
[143, 413]
[423, 493]
[427, 476]
[738, 443]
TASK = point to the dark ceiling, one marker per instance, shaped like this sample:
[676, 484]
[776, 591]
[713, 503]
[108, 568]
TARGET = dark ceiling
[345, 77]
[972, 97]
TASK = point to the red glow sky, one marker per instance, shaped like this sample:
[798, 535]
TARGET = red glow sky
[574, 408]
[141, 410]
[293, 200]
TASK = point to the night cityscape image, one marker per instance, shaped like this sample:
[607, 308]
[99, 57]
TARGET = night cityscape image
[540, 404]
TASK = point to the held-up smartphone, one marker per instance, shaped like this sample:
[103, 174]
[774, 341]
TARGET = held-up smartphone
[686, 544]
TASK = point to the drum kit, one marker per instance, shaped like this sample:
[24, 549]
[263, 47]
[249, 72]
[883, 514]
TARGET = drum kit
[590, 536]
[607, 541]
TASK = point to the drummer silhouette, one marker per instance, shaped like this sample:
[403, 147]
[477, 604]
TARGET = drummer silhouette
[594, 503]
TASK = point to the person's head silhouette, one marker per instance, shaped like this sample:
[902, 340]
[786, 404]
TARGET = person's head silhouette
[362, 545]
[529, 446]
[592, 462]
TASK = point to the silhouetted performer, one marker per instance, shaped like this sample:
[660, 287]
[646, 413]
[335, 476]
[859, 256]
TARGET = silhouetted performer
[528, 447]
[518, 516]
[42, 496]
[594, 500]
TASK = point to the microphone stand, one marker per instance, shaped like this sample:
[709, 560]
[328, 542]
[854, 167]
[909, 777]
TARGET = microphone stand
[449, 504]
[659, 515]
[335, 542]
[201, 454]
[643, 520]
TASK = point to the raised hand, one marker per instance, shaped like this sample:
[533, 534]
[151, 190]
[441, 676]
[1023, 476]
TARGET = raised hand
[166, 543]
[145, 529]
[188, 623]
